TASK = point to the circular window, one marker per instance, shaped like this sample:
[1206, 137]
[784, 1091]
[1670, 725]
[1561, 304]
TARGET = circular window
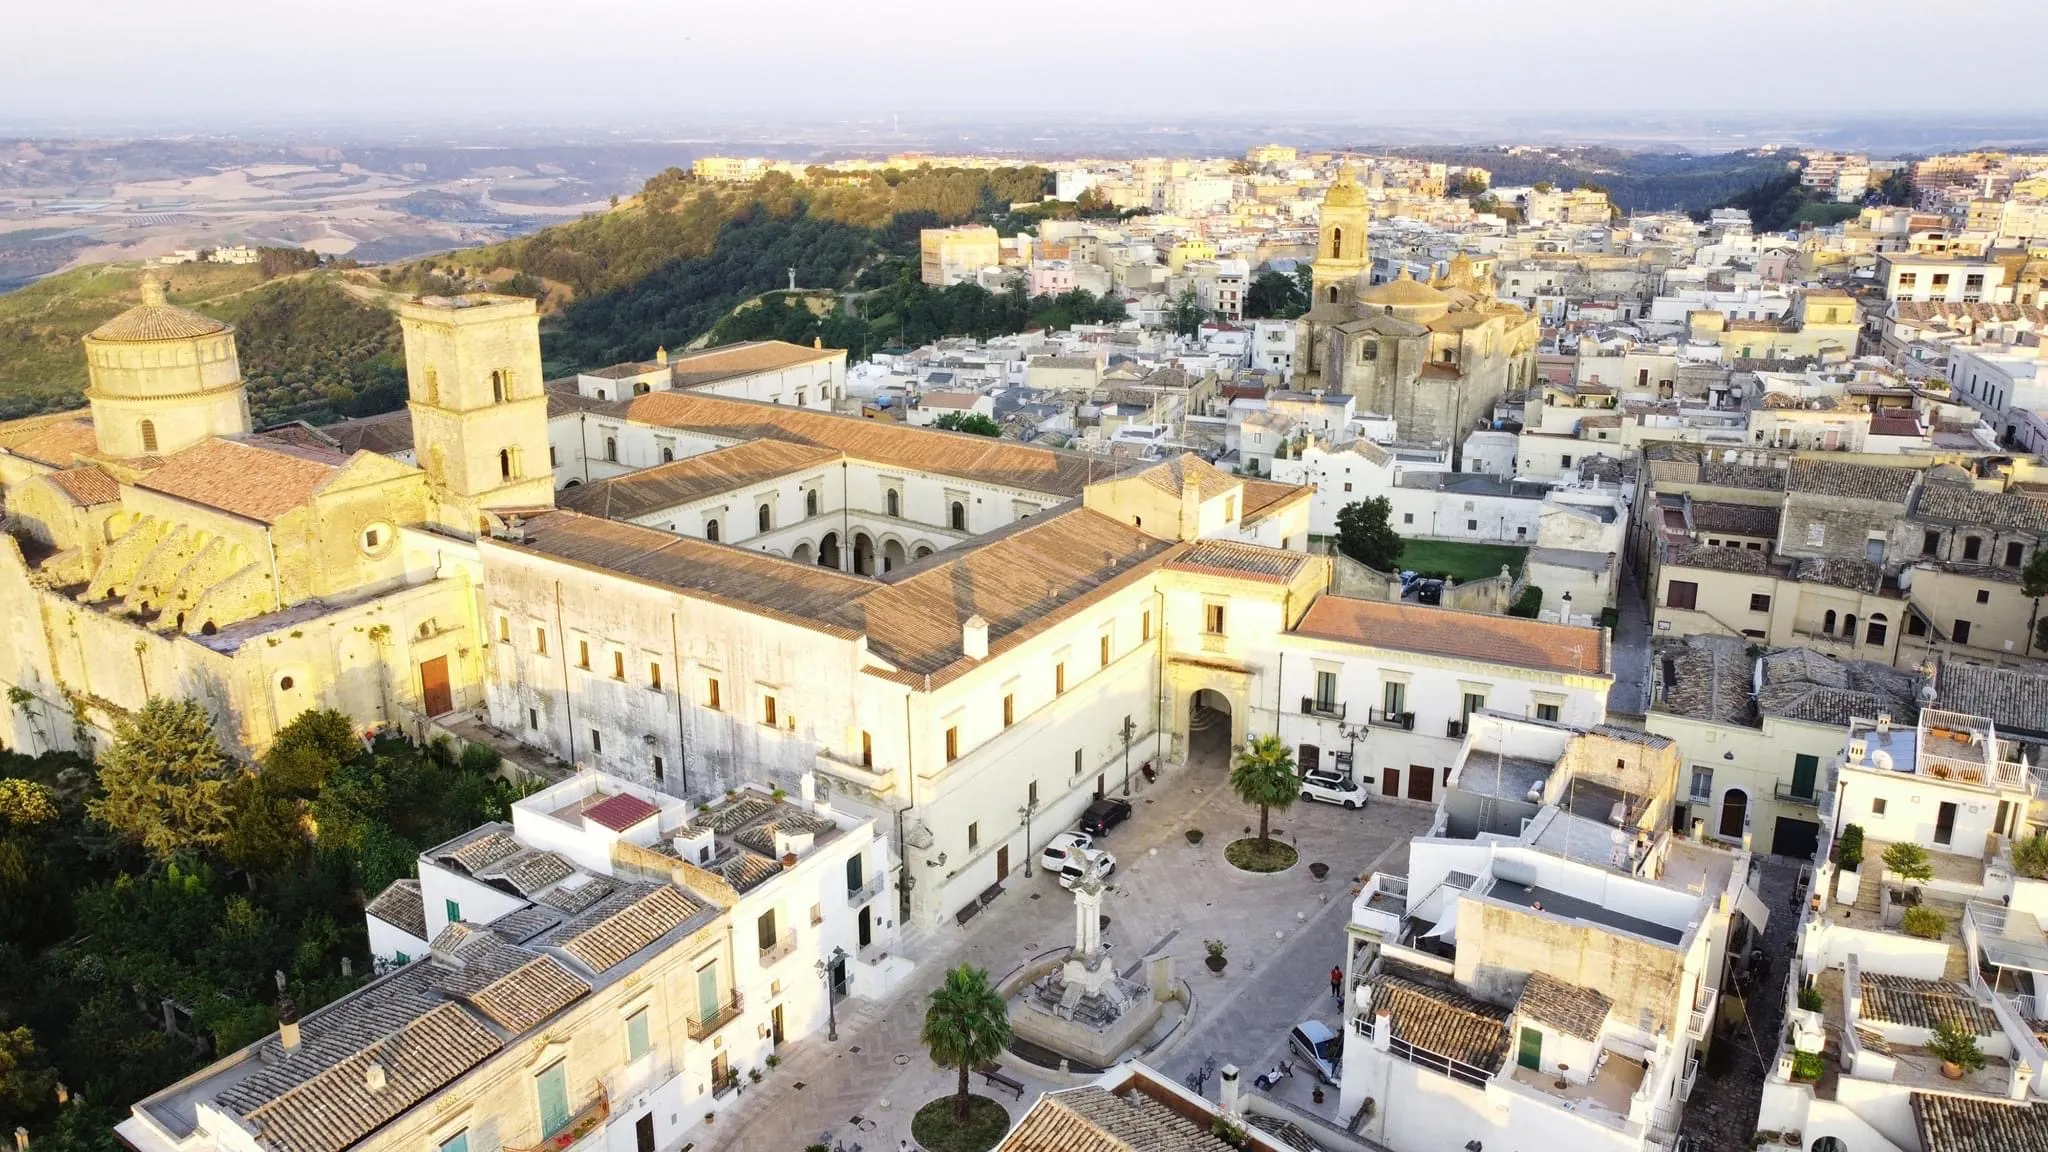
[375, 539]
[284, 683]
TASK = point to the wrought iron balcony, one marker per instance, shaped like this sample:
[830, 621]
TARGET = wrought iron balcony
[1455, 729]
[1328, 709]
[780, 949]
[1405, 721]
[855, 897]
[702, 1026]
[1791, 794]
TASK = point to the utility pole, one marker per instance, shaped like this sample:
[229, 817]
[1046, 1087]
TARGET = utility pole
[1027, 810]
[1128, 729]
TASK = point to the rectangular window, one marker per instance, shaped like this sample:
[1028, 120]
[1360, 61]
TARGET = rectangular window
[1145, 625]
[768, 711]
[654, 674]
[1394, 698]
[597, 742]
[764, 931]
[583, 654]
[1471, 525]
[1031, 796]
[1877, 805]
[1326, 690]
[533, 718]
[2013, 551]
[1059, 678]
[1102, 647]
[453, 909]
[867, 750]
[660, 770]
[1702, 782]
[1961, 632]
[952, 744]
[540, 641]
[618, 665]
[1546, 712]
[456, 1143]
[1758, 602]
[711, 694]
[1009, 709]
[504, 630]
[636, 1036]
[552, 1088]
[1816, 535]
[1972, 546]
[1473, 702]
[1407, 517]
[1983, 595]
[1212, 619]
[1681, 594]
[974, 835]
[1930, 542]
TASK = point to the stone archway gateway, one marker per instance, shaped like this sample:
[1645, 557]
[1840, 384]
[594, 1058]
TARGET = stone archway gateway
[1209, 727]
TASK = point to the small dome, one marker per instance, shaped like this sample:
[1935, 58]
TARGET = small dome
[1345, 193]
[153, 319]
[1406, 291]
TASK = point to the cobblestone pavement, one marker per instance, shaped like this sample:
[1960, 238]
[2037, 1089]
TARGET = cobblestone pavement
[1721, 1115]
[1283, 931]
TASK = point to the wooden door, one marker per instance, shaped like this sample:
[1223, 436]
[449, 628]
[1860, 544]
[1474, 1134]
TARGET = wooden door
[1390, 781]
[775, 1018]
[1529, 1053]
[1421, 782]
[434, 690]
[1002, 863]
[643, 1133]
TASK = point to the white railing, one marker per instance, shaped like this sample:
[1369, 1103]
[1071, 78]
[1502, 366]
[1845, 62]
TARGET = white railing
[1685, 1083]
[1703, 1013]
[855, 897]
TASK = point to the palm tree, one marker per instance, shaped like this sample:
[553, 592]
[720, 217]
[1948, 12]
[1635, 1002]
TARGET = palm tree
[1265, 776]
[966, 1025]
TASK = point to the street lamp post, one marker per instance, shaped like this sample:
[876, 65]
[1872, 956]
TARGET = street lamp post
[1030, 806]
[1128, 729]
[827, 969]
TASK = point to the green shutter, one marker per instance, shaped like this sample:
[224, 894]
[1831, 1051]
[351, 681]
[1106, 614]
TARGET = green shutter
[454, 911]
[456, 1143]
[1804, 769]
[636, 1035]
[553, 1087]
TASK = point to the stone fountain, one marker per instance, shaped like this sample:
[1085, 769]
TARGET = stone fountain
[1077, 1006]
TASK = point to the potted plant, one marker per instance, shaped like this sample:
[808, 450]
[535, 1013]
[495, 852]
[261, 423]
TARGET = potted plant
[1319, 869]
[1910, 862]
[773, 1060]
[1848, 858]
[1215, 960]
[1318, 1094]
[1194, 835]
[1956, 1047]
[1810, 999]
[789, 859]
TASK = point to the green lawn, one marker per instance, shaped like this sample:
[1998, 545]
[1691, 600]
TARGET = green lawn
[1465, 562]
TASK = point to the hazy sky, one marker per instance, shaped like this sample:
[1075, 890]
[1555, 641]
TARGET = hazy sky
[220, 63]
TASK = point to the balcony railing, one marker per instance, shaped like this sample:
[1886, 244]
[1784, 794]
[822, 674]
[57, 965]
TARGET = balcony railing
[1703, 1014]
[1791, 794]
[855, 897]
[1405, 721]
[781, 948]
[1455, 729]
[581, 1123]
[1692, 1074]
[701, 1027]
[1328, 709]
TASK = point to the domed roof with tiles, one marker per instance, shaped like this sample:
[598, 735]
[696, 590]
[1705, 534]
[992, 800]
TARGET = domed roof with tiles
[1346, 192]
[153, 319]
[1404, 290]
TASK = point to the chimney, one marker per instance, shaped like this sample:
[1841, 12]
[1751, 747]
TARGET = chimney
[817, 341]
[1226, 1088]
[1190, 506]
[661, 355]
[1383, 1029]
[974, 638]
[373, 1076]
[288, 1025]
[2022, 1076]
[807, 787]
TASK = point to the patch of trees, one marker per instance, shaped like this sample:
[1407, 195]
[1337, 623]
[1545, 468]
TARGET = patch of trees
[310, 351]
[149, 903]
[973, 423]
[1636, 181]
[1277, 294]
[1365, 532]
[1781, 203]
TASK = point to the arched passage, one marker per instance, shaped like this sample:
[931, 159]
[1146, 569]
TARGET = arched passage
[802, 553]
[893, 556]
[921, 551]
[1734, 813]
[828, 551]
[1208, 727]
[863, 554]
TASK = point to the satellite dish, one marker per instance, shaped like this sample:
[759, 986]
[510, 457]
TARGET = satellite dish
[1881, 760]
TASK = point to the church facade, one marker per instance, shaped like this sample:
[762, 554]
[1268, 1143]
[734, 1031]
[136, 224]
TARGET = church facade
[1435, 356]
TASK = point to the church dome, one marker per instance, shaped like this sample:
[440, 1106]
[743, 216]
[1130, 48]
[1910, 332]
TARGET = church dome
[153, 319]
[1404, 292]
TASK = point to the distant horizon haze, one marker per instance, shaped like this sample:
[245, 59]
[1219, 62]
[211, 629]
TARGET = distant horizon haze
[228, 65]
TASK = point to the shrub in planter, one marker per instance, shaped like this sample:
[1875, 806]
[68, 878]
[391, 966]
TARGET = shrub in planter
[1956, 1047]
[1807, 1066]
[1810, 999]
[1194, 835]
[772, 1060]
[1849, 849]
[1216, 959]
[1925, 923]
[2030, 857]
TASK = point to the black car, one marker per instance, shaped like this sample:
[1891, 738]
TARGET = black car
[1105, 814]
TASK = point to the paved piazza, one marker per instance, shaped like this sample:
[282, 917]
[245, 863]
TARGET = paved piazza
[1284, 932]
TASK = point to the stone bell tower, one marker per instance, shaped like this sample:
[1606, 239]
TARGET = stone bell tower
[1342, 259]
[479, 414]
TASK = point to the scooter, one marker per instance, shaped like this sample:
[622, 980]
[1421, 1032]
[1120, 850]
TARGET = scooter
[1150, 773]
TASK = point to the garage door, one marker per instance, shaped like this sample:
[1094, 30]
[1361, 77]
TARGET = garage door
[1796, 838]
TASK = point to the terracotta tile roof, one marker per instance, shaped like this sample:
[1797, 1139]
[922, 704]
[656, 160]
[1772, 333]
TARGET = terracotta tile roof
[86, 485]
[146, 322]
[572, 897]
[296, 434]
[387, 434]
[1916, 1003]
[692, 478]
[528, 871]
[761, 837]
[1857, 481]
[1579, 1012]
[1244, 561]
[1960, 504]
[479, 849]
[1735, 519]
[1262, 498]
[1751, 561]
[1703, 678]
[992, 461]
[1840, 572]
[263, 482]
[1978, 1124]
[2011, 698]
[57, 440]
[1448, 632]
[529, 994]
[715, 364]
[1447, 1023]
[1759, 477]
[624, 923]
[948, 399]
[401, 907]
[619, 812]
[1172, 475]
[1092, 1119]
[1802, 684]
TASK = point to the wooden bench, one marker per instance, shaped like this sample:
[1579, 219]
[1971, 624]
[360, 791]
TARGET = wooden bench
[992, 1074]
[972, 910]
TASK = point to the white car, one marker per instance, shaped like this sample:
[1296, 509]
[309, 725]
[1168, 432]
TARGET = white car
[1063, 848]
[1320, 1047]
[1078, 865]
[1332, 788]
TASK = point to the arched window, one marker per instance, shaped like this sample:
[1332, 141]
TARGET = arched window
[497, 387]
[1875, 631]
[765, 517]
[1333, 293]
[959, 517]
[711, 530]
[667, 455]
[811, 502]
[611, 449]
[1734, 813]
[1849, 628]
[1827, 622]
[894, 501]
[504, 463]
[1337, 243]
[149, 435]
